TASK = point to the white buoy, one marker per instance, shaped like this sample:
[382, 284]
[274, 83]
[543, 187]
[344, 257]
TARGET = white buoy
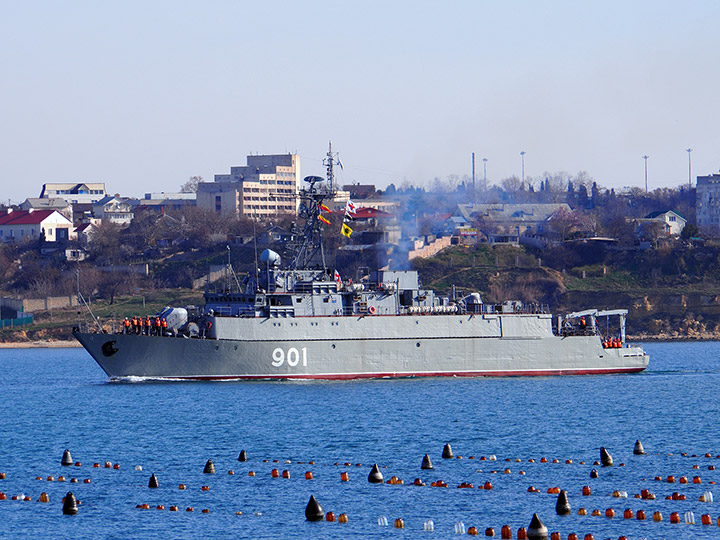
[429, 525]
[689, 518]
[383, 521]
[459, 528]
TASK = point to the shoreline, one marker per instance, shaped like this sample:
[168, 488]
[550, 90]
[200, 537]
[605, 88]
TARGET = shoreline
[63, 344]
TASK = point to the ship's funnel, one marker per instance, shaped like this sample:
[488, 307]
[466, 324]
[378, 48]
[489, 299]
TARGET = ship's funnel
[270, 257]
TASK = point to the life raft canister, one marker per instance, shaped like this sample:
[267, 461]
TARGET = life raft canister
[371, 310]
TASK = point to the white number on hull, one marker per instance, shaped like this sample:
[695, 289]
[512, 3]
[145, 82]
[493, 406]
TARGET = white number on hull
[294, 357]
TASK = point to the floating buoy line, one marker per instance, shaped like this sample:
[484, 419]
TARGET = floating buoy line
[677, 494]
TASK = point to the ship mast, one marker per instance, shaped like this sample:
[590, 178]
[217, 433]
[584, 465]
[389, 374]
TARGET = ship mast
[311, 199]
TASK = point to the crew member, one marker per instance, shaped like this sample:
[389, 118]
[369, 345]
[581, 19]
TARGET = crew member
[126, 326]
[163, 323]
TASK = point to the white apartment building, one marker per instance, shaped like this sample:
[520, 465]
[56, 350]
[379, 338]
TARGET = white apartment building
[74, 192]
[266, 186]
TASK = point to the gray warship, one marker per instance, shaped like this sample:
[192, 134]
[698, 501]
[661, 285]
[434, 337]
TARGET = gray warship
[301, 321]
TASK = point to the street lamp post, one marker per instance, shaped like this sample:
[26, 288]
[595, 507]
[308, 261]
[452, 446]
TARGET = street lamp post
[485, 160]
[645, 158]
[689, 168]
[522, 159]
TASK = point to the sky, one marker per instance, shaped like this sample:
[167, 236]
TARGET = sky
[142, 95]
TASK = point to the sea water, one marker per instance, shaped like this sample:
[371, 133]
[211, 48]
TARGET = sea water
[57, 399]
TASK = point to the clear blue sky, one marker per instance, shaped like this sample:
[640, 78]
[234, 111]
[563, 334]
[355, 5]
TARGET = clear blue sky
[143, 95]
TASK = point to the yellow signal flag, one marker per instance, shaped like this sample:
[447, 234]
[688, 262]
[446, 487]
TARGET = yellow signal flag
[324, 219]
[346, 231]
[324, 208]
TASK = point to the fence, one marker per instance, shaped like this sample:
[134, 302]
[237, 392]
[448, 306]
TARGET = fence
[21, 321]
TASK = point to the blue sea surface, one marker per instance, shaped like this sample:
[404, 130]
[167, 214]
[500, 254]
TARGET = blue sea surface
[53, 399]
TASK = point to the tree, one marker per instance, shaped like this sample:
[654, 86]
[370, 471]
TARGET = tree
[191, 186]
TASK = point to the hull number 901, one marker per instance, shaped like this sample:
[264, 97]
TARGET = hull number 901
[293, 357]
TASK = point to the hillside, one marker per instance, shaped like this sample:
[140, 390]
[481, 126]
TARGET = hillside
[670, 294]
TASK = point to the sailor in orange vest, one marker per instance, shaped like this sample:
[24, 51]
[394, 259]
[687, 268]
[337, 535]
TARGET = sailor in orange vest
[148, 324]
[135, 325]
[163, 323]
[156, 326]
[126, 326]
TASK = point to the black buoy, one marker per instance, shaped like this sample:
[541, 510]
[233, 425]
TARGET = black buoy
[67, 459]
[426, 463]
[313, 510]
[209, 467]
[562, 507]
[242, 456]
[605, 457]
[70, 504]
[593, 473]
[375, 476]
[638, 450]
[153, 483]
[447, 452]
[537, 529]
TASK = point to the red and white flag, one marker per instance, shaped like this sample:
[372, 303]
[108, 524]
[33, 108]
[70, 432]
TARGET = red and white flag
[337, 278]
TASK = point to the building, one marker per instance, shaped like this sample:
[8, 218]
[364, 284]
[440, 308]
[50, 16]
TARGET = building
[19, 226]
[50, 203]
[113, 209]
[73, 192]
[672, 222]
[268, 185]
[707, 201]
[514, 219]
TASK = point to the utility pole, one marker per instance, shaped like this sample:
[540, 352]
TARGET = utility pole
[689, 168]
[646, 158]
[522, 159]
[473, 177]
[485, 160]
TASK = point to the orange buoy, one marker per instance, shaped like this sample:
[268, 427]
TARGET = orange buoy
[596, 512]
[205, 488]
[173, 508]
[705, 519]
[572, 536]
[610, 513]
[86, 481]
[683, 480]
[582, 512]
[330, 516]
[61, 479]
[674, 517]
[657, 516]
[343, 518]
[251, 473]
[489, 531]
[586, 491]
[189, 509]
[78, 464]
[555, 460]
[275, 473]
[50, 478]
[44, 497]
[116, 466]
[697, 480]
[286, 474]
[555, 535]
[108, 465]
[399, 523]
[231, 472]
[472, 531]
[309, 475]
[543, 460]
[670, 479]
[505, 532]
[522, 533]
[344, 477]
[182, 486]
[205, 511]
[628, 514]
[96, 465]
[589, 536]
[160, 507]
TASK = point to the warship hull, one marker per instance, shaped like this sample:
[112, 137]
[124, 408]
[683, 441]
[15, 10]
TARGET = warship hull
[361, 347]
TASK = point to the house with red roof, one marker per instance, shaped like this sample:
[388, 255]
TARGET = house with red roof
[20, 226]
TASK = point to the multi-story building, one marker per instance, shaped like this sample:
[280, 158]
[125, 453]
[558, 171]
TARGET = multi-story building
[74, 192]
[707, 201]
[266, 186]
